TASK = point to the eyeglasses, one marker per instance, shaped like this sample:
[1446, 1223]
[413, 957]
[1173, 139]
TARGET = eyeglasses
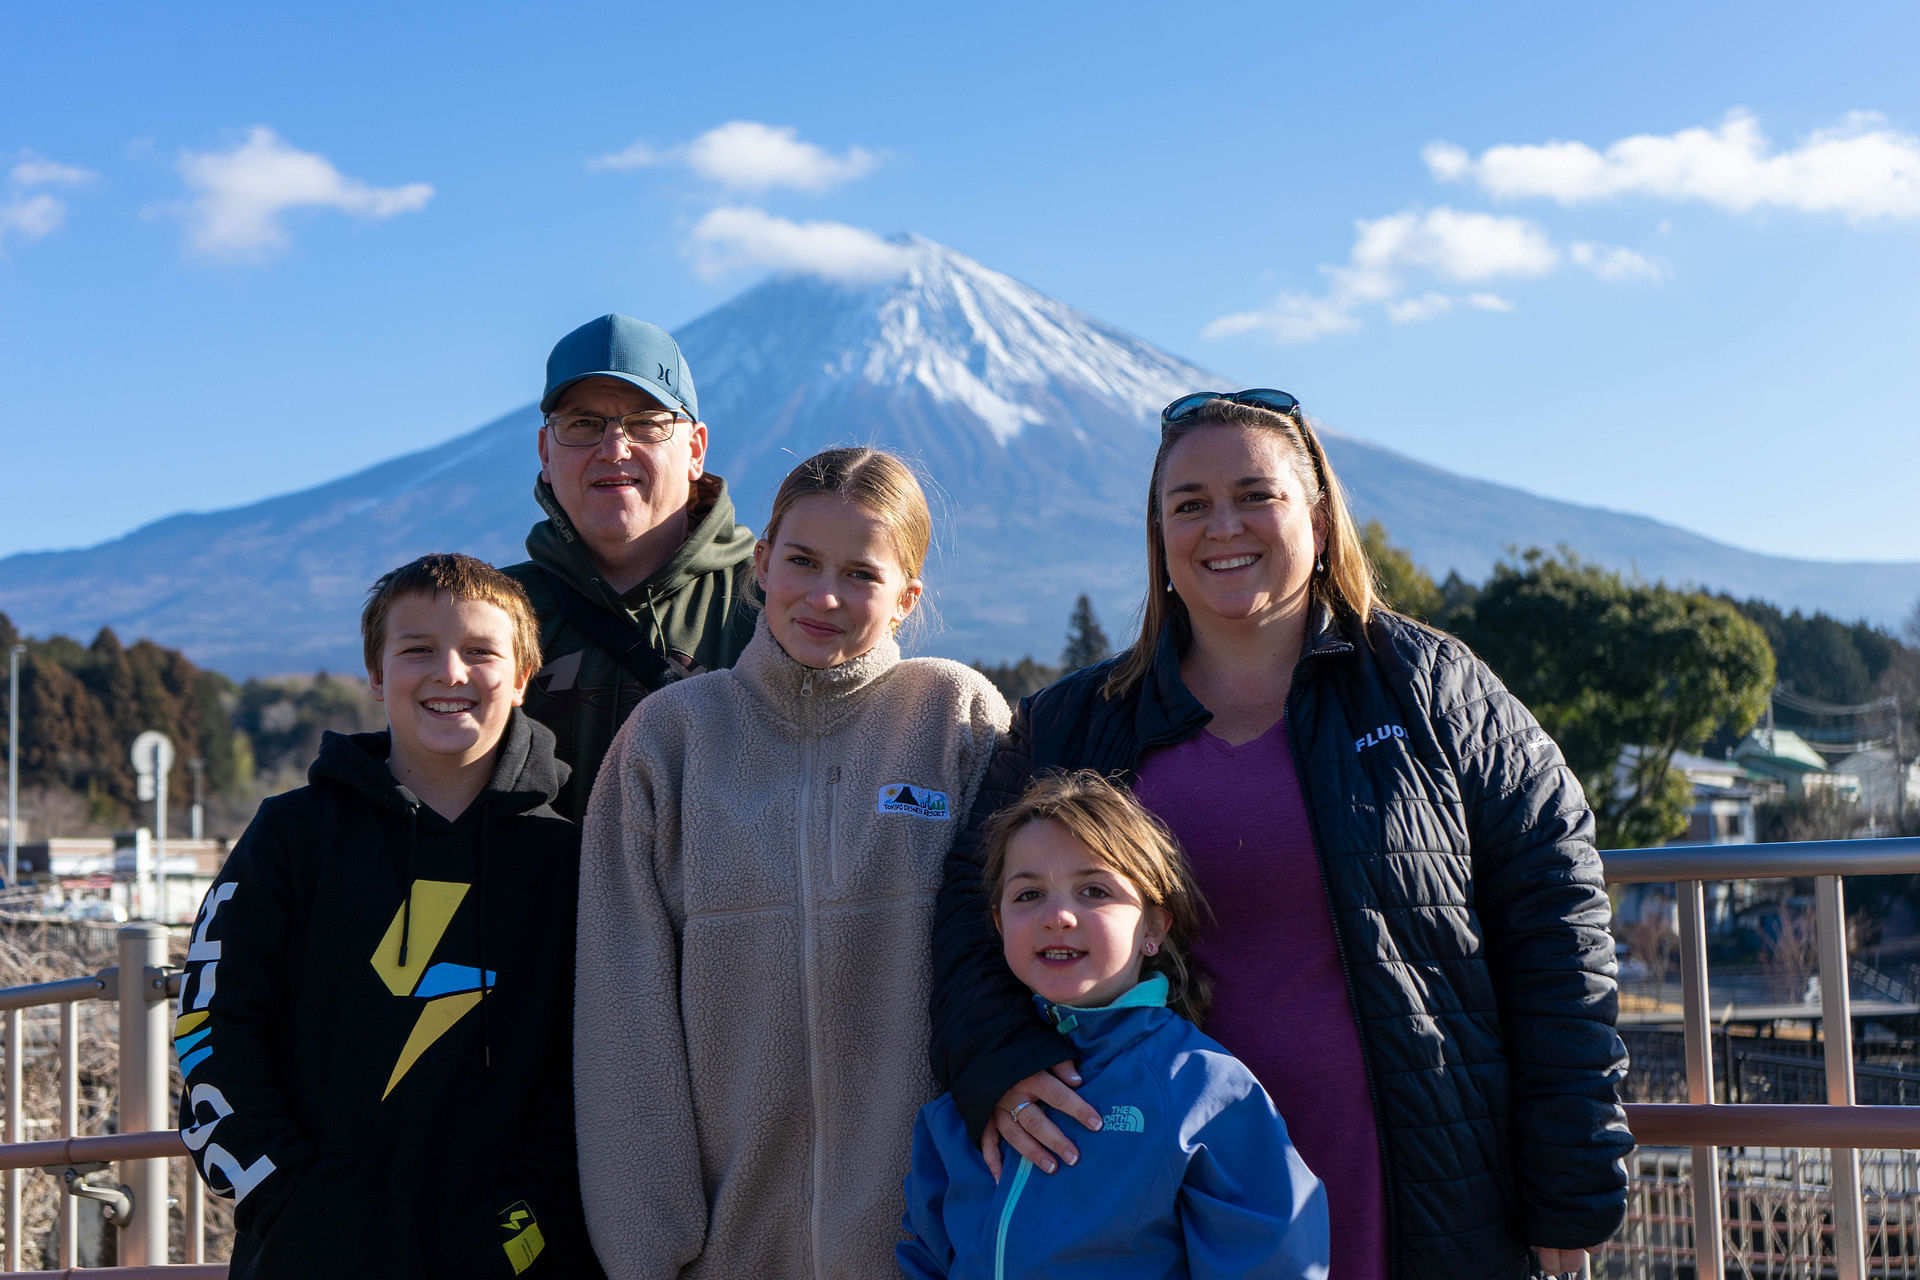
[583, 430]
[1256, 397]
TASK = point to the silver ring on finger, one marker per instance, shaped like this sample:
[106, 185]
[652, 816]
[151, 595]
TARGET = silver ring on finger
[1018, 1108]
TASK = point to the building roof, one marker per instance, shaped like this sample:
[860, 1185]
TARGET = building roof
[1786, 750]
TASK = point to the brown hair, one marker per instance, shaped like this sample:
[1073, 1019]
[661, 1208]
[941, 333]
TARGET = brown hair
[878, 481]
[1119, 831]
[1345, 583]
[463, 578]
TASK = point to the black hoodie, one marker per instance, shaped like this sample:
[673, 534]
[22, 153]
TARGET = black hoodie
[373, 1107]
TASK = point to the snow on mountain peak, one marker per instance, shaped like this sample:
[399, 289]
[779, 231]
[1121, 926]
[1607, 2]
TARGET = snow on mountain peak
[950, 328]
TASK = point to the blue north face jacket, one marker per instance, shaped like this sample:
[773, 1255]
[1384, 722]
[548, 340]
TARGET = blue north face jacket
[1191, 1174]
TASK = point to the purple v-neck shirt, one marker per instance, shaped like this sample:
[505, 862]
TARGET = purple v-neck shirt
[1280, 1000]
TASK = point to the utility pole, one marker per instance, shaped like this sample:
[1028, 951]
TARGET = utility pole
[13, 763]
[198, 767]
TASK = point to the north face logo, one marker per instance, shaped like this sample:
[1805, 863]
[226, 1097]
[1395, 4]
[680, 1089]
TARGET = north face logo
[921, 802]
[1123, 1120]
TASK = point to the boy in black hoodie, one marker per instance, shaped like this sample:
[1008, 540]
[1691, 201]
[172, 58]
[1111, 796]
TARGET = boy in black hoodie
[375, 1023]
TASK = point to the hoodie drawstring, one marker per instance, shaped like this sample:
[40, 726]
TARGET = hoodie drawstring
[659, 631]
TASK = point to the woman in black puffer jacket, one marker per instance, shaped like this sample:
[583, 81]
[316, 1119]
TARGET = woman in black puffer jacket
[1412, 951]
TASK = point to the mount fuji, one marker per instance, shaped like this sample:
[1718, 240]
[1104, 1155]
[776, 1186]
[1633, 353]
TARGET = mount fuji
[1032, 423]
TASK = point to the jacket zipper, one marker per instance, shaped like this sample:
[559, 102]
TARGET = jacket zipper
[833, 826]
[806, 978]
[1006, 1217]
[1353, 1002]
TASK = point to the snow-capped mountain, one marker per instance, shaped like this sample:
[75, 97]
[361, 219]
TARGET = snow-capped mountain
[1033, 424]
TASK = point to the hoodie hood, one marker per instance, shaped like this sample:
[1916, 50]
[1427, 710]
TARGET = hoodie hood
[714, 543]
[526, 773]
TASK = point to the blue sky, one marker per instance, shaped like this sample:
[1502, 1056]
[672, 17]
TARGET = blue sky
[1663, 259]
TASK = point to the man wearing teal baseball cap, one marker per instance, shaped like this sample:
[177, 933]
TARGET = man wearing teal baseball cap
[635, 571]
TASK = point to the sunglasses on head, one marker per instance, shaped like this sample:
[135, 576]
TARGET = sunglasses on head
[1256, 397]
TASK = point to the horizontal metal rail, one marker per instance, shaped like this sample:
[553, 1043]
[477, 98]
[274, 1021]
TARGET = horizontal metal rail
[1755, 1124]
[1890, 856]
[101, 986]
[55, 1153]
[186, 1271]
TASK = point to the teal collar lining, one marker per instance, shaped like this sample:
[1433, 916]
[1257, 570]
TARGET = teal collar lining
[1149, 993]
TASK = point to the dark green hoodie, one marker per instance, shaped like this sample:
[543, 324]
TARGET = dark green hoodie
[690, 612]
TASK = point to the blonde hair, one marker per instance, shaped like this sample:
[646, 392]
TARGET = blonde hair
[879, 482]
[462, 578]
[1123, 835]
[1343, 580]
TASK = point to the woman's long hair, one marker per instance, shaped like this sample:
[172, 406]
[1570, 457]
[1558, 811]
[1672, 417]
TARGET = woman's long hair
[1121, 834]
[1344, 581]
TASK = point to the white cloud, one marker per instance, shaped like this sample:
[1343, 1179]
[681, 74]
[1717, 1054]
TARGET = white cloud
[1614, 264]
[636, 155]
[241, 194]
[745, 155]
[1453, 245]
[35, 171]
[732, 239]
[753, 157]
[27, 214]
[1860, 168]
[1414, 310]
[1397, 260]
[30, 216]
[1289, 318]
[1392, 262]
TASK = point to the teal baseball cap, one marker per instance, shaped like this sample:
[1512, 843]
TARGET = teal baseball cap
[616, 346]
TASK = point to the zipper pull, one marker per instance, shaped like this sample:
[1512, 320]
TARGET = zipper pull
[806, 685]
[833, 775]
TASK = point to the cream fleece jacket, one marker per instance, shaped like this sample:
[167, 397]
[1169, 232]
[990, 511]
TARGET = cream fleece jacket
[756, 901]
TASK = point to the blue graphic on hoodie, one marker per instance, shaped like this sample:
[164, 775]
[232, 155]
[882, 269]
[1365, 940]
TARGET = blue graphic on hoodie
[1191, 1174]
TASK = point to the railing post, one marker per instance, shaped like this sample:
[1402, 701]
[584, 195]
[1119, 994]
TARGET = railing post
[144, 1045]
[1708, 1251]
[16, 1078]
[1836, 1025]
[69, 1124]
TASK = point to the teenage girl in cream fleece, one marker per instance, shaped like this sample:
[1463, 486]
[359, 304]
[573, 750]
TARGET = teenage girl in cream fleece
[760, 859]
[1190, 1171]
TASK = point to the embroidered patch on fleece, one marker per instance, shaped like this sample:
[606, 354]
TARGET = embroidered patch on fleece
[921, 802]
[1123, 1119]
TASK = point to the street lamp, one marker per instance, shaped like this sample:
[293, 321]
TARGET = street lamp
[13, 762]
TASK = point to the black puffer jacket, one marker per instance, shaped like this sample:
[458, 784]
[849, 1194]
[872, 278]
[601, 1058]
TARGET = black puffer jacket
[1471, 915]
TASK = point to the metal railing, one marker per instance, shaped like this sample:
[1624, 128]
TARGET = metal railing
[1704, 1125]
[137, 1203]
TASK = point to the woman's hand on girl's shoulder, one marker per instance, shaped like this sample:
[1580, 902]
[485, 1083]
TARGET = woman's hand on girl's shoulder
[1022, 1118]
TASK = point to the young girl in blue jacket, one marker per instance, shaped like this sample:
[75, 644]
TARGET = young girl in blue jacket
[1190, 1172]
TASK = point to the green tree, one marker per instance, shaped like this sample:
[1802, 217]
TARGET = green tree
[1622, 674]
[1086, 641]
[1015, 680]
[1404, 585]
